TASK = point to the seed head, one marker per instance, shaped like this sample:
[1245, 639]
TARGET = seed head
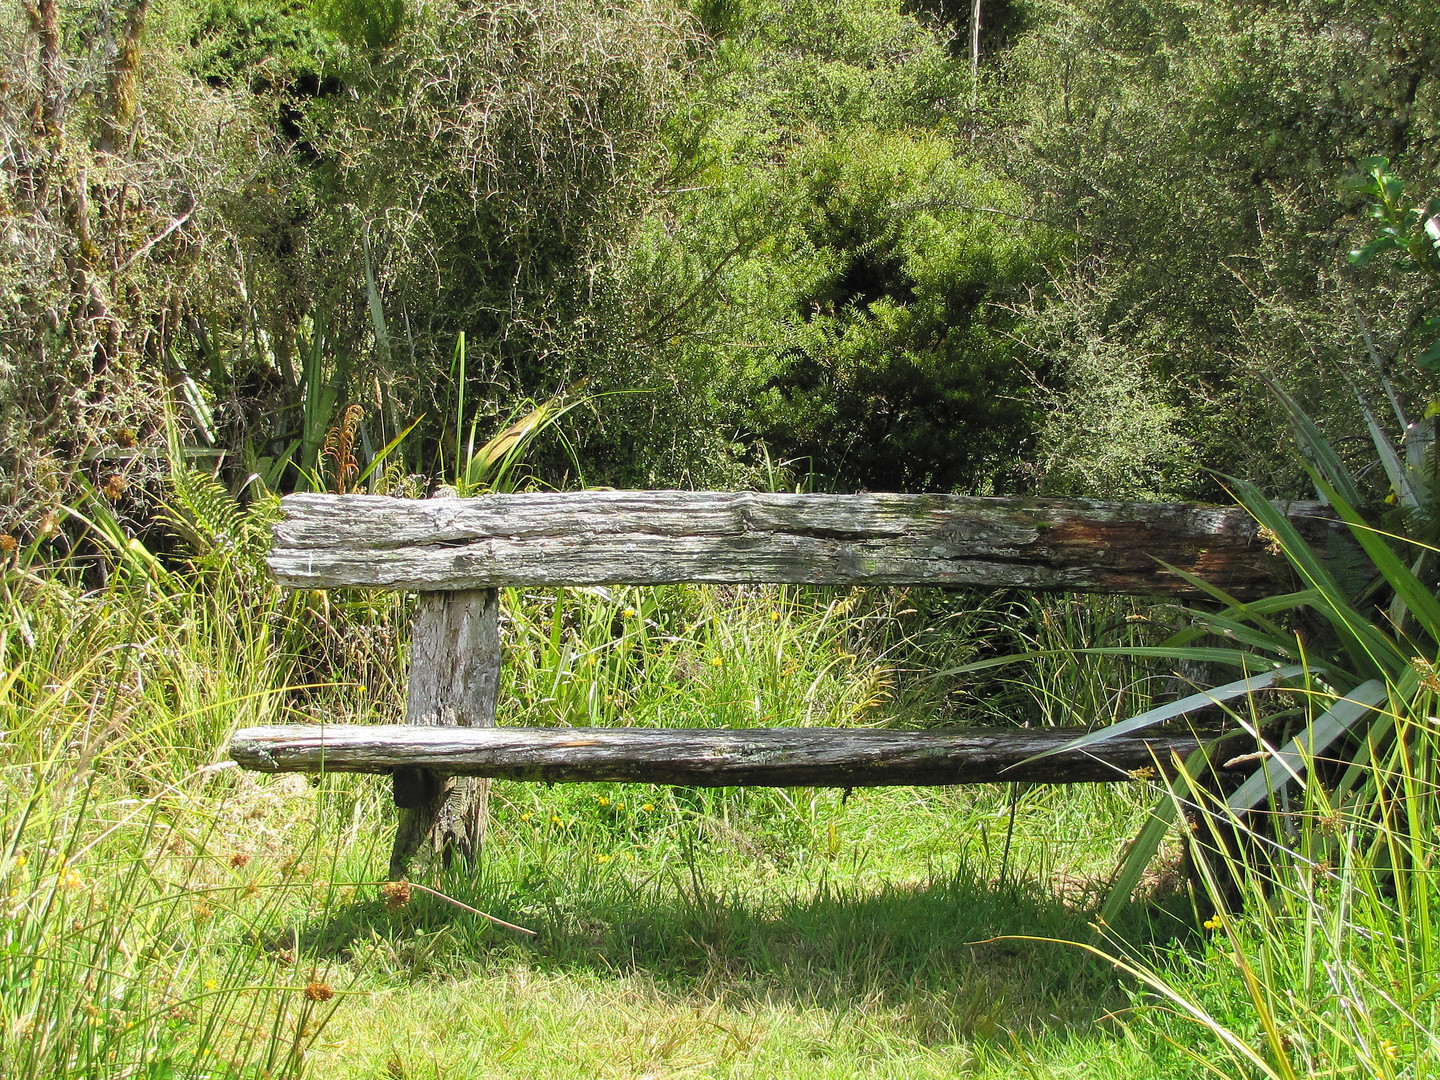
[395, 894]
[318, 991]
[1429, 676]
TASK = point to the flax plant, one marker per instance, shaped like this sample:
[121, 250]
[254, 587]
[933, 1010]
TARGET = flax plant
[1312, 871]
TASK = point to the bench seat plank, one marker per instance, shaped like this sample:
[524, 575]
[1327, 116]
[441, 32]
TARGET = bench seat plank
[706, 757]
[660, 537]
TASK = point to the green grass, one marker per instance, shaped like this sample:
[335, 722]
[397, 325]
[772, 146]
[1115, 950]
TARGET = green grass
[717, 933]
[165, 918]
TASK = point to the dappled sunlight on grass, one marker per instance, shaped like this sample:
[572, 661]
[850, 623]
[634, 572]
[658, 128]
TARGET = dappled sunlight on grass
[167, 911]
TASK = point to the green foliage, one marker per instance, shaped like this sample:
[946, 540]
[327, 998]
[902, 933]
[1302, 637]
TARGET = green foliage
[272, 227]
[1198, 152]
[222, 538]
[1407, 230]
[1365, 670]
[528, 138]
[115, 245]
[373, 24]
[1410, 232]
[818, 67]
[896, 366]
[255, 44]
[834, 277]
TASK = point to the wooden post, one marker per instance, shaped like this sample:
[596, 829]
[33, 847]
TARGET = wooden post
[454, 682]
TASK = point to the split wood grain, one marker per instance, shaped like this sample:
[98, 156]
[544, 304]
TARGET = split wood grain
[454, 684]
[755, 757]
[657, 537]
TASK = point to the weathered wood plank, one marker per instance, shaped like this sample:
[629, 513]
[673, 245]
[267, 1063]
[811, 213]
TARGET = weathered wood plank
[454, 683]
[655, 537]
[756, 757]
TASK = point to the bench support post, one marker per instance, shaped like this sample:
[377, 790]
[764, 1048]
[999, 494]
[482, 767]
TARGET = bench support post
[454, 681]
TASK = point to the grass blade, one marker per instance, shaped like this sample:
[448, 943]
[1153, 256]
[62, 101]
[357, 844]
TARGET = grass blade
[1146, 843]
[1366, 646]
[1418, 599]
[1169, 711]
[1291, 762]
[1317, 448]
[385, 452]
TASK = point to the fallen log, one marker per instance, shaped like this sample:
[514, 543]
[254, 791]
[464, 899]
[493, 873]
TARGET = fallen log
[658, 537]
[756, 757]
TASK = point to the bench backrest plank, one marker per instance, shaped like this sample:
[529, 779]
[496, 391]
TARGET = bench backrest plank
[659, 537]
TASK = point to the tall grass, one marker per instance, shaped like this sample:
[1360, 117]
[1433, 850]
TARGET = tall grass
[165, 915]
[132, 918]
[169, 916]
[1317, 869]
[1317, 955]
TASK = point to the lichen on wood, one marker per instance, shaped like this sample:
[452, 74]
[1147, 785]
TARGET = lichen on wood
[657, 537]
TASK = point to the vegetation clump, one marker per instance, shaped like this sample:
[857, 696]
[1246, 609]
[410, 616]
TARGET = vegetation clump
[1118, 249]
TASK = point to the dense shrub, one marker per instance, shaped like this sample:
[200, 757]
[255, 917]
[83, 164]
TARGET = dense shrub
[833, 280]
[1200, 153]
[113, 166]
[234, 201]
[896, 369]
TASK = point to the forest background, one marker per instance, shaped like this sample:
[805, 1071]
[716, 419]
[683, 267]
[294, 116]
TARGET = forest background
[824, 234]
[1081, 248]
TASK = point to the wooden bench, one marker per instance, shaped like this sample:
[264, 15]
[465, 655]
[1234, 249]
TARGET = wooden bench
[458, 552]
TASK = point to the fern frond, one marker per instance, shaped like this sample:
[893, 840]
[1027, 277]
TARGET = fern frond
[201, 512]
[220, 533]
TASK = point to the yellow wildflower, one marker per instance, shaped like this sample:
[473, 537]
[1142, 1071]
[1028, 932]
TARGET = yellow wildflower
[70, 881]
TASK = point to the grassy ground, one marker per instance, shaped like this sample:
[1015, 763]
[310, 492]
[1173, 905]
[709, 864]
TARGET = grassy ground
[685, 933]
[166, 917]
